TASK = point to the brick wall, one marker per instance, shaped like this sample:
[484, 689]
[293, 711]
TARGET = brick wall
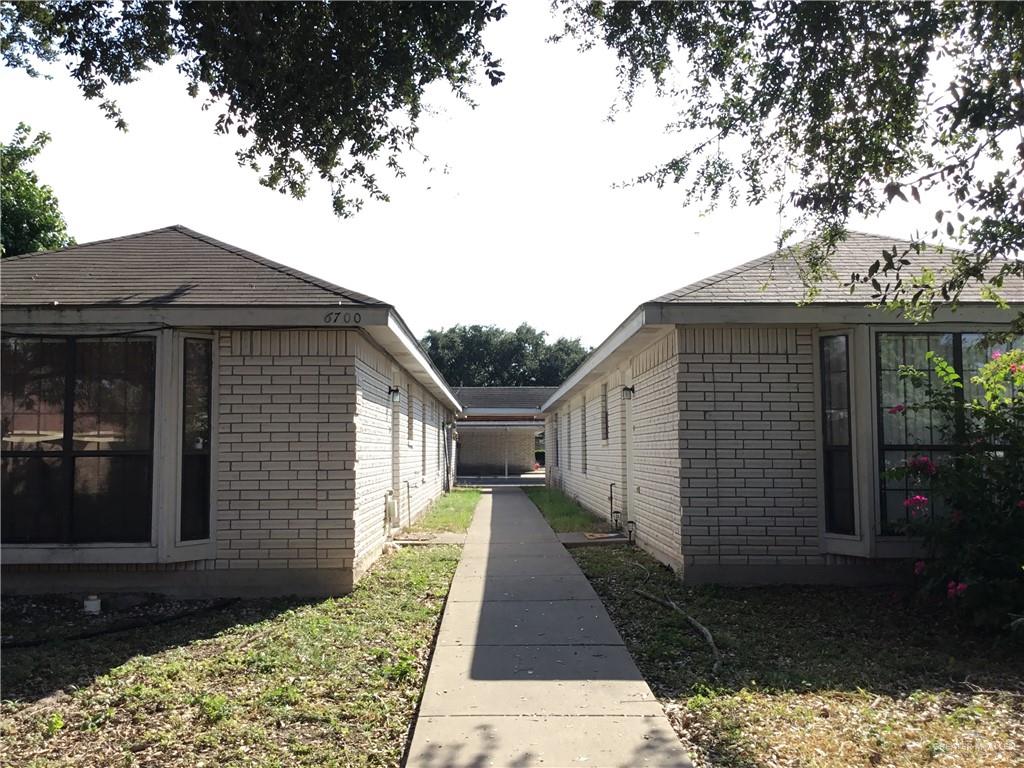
[484, 451]
[286, 450]
[386, 458]
[724, 448]
[748, 447]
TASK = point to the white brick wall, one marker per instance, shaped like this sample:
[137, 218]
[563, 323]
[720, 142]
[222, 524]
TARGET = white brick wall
[286, 446]
[382, 425]
[748, 447]
[724, 447]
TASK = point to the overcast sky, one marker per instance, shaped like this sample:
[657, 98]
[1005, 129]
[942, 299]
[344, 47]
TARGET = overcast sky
[523, 225]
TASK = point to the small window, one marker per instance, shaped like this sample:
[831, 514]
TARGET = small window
[604, 412]
[558, 419]
[583, 435]
[835, 420]
[408, 418]
[568, 439]
[197, 401]
[423, 441]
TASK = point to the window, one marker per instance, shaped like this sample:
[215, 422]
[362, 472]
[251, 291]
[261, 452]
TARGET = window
[583, 435]
[836, 425]
[568, 439]
[604, 412]
[408, 418]
[77, 439]
[558, 420]
[423, 441]
[905, 433]
[197, 401]
[440, 433]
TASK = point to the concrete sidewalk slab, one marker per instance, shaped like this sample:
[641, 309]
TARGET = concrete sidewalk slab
[554, 742]
[512, 622]
[528, 669]
[574, 587]
[537, 680]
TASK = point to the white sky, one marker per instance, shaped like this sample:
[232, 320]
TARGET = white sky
[524, 226]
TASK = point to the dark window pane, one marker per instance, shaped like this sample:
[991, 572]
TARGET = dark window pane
[835, 407]
[839, 485]
[114, 379]
[32, 403]
[195, 439]
[195, 497]
[34, 499]
[112, 497]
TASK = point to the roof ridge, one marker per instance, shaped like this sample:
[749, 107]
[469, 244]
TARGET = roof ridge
[316, 282]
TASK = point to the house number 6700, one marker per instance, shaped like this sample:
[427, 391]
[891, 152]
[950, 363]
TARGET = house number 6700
[345, 318]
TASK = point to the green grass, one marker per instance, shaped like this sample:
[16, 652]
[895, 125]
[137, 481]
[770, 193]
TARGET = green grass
[562, 513]
[261, 683]
[452, 513]
[819, 677]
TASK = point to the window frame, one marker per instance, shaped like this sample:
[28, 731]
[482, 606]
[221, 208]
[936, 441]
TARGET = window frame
[179, 437]
[825, 448]
[163, 545]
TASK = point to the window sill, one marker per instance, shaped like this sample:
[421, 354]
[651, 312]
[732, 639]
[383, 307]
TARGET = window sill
[79, 554]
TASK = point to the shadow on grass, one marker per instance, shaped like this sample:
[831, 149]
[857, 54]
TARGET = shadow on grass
[857, 643]
[32, 673]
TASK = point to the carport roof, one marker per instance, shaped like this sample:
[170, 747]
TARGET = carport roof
[503, 397]
[172, 266]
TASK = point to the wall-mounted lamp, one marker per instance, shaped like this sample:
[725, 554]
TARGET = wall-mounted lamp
[627, 393]
[396, 394]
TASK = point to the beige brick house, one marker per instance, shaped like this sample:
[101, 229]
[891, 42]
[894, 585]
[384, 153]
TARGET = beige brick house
[184, 416]
[743, 435]
[498, 429]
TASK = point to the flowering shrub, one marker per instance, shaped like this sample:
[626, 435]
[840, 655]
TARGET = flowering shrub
[975, 538]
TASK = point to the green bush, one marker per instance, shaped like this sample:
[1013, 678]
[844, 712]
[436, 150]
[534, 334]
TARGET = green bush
[974, 533]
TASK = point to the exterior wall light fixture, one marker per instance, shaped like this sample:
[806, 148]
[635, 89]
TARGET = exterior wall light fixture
[627, 393]
[396, 394]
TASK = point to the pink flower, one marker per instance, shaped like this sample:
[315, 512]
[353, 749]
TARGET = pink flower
[996, 355]
[896, 410]
[955, 589]
[923, 464]
[1013, 368]
[919, 567]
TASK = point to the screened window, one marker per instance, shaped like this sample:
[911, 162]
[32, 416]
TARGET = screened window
[197, 400]
[568, 439]
[77, 439]
[558, 421]
[604, 411]
[905, 431]
[583, 436]
[409, 420]
[835, 420]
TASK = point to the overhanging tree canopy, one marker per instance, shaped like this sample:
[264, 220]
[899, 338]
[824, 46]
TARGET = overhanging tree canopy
[334, 89]
[837, 109]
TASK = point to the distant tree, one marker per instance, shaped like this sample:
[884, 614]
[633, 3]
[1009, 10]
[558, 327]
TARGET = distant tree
[332, 89]
[836, 109]
[488, 356]
[30, 218]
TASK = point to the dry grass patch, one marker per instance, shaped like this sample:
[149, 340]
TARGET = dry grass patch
[815, 677]
[259, 683]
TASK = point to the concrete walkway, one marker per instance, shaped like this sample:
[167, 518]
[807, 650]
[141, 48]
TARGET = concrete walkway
[528, 669]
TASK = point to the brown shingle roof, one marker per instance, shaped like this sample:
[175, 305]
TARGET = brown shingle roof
[503, 397]
[775, 278]
[169, 266]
